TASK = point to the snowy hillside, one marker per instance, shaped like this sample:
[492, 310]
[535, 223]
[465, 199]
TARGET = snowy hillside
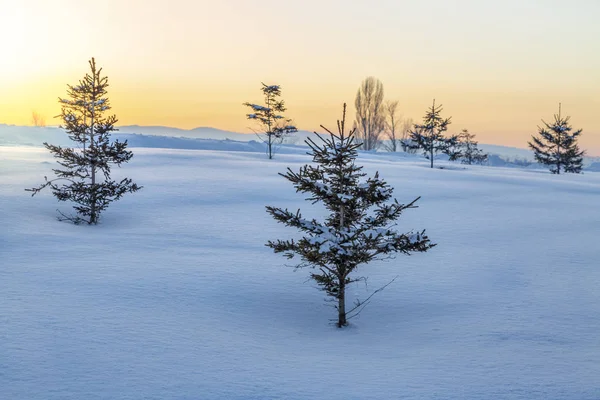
[175, 296]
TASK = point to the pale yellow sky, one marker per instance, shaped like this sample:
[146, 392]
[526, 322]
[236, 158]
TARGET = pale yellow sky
[498, 67]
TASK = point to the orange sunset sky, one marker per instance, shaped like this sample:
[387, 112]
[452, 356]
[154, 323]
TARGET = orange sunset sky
[498, 67]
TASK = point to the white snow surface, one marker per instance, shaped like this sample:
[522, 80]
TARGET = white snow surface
[175, 296]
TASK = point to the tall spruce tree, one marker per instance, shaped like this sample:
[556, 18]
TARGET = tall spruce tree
[359, 228]
[273, 125]
[468, 152]
[84, 175]
[429, 136]
[556, 146]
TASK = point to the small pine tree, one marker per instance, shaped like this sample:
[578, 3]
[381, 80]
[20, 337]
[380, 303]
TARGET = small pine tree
[359, 227]
[429, 136]
[468, 151]
[557, 146]
[273, 126]
[84, 176]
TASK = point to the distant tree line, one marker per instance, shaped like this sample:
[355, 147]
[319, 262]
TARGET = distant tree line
[379, 125]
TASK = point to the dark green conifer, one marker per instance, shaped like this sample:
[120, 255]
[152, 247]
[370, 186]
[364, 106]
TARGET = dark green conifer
[273, 126]
[467, 151]
[556, 146]
[429, 136]
[84, 173]
[359, 228]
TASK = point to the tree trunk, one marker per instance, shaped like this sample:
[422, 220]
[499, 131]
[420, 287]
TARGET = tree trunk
[431, 156]
[559, 143]
[342, 305]
[93, 216]
[342, 294]
[269, 145]
[270, 132]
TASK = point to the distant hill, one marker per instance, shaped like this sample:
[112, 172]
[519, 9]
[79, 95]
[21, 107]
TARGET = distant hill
[11, 135]
[595, 166]
[506, 151]
[206, 138]
[196, 133]
[207, 133]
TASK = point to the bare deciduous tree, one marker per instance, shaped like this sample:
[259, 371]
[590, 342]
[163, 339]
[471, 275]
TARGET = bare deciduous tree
[405, 141]
[370, 113]
[37, 119]
[392, 124]
[397, 129]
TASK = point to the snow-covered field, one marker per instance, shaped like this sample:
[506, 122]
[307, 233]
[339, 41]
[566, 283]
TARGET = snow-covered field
[175, 296]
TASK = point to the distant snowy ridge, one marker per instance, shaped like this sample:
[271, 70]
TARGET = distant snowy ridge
[27, 136]
[207, 133]
[35, 136]
[13, 135]
[205, 138]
